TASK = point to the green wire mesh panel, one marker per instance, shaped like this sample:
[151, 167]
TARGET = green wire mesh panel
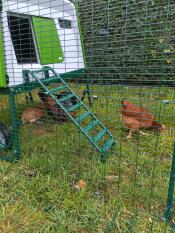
[2, 66]
[117, 63]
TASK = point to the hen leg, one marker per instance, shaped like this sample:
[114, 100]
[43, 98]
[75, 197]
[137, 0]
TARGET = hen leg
[130, 134]
[143, 133]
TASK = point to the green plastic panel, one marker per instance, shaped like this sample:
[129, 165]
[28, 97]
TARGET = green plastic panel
[47, 38]
[2, 64]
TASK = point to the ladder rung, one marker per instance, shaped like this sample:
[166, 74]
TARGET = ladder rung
[83, 116]
[59, 88]
[107, 145]
[91, 126]
[99, 135]
[67, 97]
[74, 107]
[49, 80]
[2, 146]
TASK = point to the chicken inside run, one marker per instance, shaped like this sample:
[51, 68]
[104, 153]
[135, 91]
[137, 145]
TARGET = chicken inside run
[90, 101]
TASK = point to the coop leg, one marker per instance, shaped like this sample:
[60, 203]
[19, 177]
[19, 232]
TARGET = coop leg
[27, 80]
[29, 98]
[83, 96]
[89, 95]
[15, 125]
[87, 91]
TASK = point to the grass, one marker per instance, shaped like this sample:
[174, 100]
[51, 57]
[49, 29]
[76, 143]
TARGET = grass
[126, 194]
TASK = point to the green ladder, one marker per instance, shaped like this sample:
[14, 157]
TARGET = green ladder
[78, 121]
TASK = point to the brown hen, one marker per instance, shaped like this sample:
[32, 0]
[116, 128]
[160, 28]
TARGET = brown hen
[136, 118]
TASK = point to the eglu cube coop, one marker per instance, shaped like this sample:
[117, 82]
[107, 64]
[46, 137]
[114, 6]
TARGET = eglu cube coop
[40, 43]
[53, 55]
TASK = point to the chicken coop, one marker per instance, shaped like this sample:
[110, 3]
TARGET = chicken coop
[87, 97]
[40, 44]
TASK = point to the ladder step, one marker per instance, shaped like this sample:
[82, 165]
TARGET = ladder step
[74, 107]
[67, 97]
[91, 126]
[59, 88]
[2, 146]
[82, 117]
[107, 145]
[99, 135]
[50, 80]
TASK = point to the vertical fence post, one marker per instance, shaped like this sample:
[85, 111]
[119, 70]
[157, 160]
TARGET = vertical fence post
[15, 125]
[170, 198]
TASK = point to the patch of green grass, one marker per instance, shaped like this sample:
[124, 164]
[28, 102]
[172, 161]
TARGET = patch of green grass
[125, 194]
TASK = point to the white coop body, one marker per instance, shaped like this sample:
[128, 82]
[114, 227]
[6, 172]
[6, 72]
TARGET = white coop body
[68, 35]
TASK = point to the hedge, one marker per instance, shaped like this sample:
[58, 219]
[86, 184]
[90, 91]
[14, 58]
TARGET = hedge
[129, 41]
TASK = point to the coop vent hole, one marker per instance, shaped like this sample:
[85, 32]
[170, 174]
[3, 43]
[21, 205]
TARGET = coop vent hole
[22, 38]
[64, 23]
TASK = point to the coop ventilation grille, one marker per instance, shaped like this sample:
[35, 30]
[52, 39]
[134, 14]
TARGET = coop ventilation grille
[22, 38]
[64, 23]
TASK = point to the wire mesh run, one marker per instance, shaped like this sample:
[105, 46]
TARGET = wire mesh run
[87, 109]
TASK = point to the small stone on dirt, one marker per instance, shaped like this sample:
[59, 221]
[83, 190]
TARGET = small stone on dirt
[31, 173]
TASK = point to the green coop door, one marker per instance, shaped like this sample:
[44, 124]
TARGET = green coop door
[47, 39]
[2, 64]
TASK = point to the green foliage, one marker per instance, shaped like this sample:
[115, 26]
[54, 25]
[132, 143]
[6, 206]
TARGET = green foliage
[129, 40]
